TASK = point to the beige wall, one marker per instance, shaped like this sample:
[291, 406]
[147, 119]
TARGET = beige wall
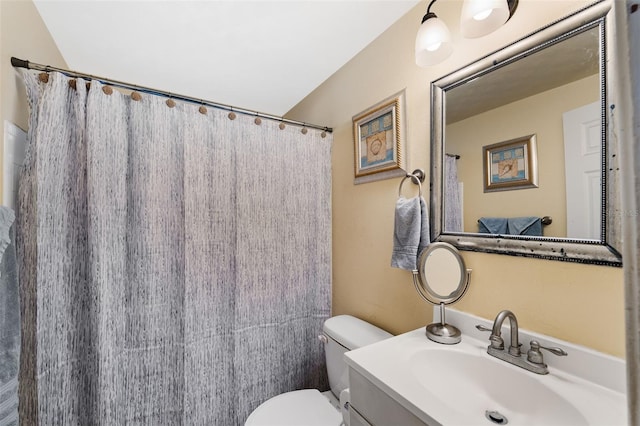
[579, 303]
[542, 115]
[23, 35]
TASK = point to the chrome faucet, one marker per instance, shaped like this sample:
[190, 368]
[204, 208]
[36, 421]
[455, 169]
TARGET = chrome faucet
[534, 362]
[496, 338]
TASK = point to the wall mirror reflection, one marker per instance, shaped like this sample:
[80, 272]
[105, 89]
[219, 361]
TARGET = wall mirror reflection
[533, 111]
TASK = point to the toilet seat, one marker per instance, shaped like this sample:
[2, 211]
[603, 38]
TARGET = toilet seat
[306, 407]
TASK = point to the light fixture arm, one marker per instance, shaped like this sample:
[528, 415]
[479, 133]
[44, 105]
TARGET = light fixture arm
[429, 13]
[513, 5]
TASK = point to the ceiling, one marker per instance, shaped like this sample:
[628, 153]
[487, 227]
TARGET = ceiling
[555, 65]
[262, 55]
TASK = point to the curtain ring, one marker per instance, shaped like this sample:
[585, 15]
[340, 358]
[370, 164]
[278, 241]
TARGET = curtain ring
[203, 109]
[232, 115]
[135, 95]
[258, 121]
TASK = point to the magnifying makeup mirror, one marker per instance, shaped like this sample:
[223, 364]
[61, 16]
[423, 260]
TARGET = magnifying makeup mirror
[441, 279]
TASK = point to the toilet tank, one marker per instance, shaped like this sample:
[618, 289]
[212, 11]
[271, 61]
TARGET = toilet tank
[345, 333]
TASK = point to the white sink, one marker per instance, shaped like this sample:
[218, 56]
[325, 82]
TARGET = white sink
[460, 384]
[486, 385]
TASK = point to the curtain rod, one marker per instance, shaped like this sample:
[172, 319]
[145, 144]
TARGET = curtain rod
[20, 63]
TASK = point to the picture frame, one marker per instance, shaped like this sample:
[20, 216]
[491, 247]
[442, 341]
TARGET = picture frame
[511, 164]
[379, 143]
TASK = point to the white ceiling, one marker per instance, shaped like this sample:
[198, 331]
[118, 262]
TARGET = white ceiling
[262, 55]
[557, 64]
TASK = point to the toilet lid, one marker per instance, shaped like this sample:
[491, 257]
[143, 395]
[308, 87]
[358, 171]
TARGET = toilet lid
[306, 407]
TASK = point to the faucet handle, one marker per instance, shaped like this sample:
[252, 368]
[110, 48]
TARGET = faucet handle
[535, 356]
[496, 341]
[553, 350]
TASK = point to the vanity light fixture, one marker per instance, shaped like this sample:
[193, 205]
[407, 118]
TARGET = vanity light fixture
[481, 17]
[433, 41]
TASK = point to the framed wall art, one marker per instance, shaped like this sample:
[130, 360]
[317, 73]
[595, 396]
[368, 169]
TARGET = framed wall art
[512, 164]
[378, 134]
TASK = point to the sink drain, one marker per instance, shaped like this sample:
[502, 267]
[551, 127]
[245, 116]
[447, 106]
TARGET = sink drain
[496, 417]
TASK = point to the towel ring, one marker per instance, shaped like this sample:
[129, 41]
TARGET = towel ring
[415, 179]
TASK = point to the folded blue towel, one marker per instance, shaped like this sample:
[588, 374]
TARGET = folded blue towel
[492, 225]
[411, 232]
[528, 225]
[9, 322]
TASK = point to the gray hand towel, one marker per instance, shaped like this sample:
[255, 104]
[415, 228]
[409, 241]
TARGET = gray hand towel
[9, 322]
[411, 232]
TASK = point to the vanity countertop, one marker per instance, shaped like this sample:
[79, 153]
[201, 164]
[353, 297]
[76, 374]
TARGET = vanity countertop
[456, 384]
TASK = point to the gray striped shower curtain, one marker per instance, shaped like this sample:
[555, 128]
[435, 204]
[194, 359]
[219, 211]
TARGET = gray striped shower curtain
[175, 266]
[452, 206]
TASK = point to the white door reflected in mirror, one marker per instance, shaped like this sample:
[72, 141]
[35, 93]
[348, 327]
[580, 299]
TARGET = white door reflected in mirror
[583, 171]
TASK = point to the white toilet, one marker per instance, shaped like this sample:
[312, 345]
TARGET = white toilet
[309, 407]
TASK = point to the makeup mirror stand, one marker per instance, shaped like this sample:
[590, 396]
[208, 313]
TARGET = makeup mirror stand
[441, 332]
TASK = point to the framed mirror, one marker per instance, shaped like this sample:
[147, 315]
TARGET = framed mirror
[523, 154]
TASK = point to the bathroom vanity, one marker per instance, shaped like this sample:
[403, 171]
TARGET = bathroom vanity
[411, 380]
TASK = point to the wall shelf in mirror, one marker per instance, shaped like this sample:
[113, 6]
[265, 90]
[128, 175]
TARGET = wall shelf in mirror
[555, 84]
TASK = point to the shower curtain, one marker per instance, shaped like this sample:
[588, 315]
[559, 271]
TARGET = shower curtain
[175, 265]
[452, 202]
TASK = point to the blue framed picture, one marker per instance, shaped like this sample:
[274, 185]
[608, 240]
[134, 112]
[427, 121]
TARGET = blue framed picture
[511, 164]
[378, 140]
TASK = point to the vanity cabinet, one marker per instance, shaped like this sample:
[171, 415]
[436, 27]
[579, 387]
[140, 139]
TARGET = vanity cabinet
[370, 406]
[356, 419]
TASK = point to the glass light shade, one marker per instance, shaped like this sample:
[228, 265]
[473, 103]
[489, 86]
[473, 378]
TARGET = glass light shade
[433, 42]
[481, 17]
